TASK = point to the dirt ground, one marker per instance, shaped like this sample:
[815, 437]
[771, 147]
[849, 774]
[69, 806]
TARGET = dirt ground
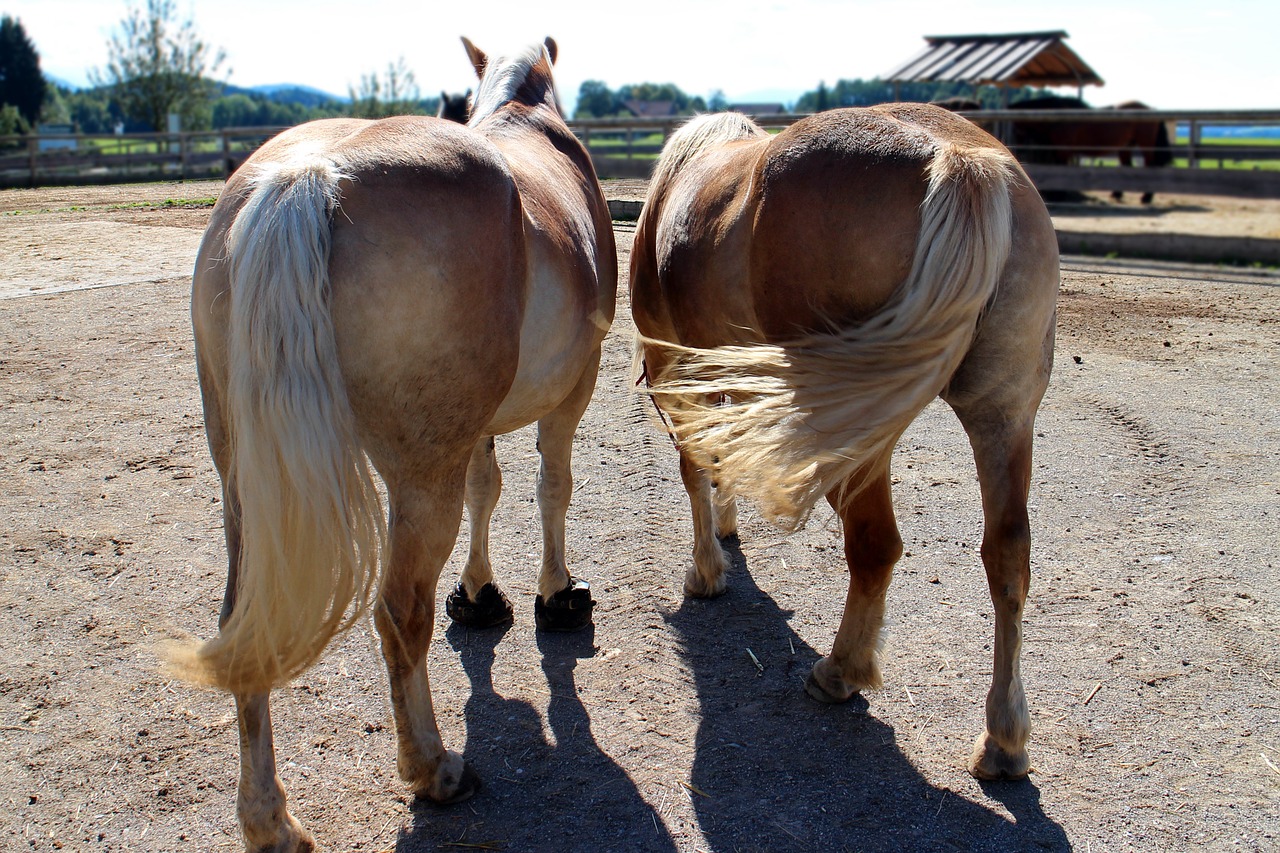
[1152, 631]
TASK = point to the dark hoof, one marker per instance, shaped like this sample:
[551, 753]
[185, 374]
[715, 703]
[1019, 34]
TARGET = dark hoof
[490, 607]
[468, 784]
[816, 691]
[568, 610]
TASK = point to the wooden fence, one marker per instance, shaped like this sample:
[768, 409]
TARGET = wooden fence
[627, 148]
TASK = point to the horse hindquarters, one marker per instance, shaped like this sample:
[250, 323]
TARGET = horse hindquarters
[807, 414]
[298, 498]
[429, 331]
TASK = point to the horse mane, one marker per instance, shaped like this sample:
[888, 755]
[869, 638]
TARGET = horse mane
[502, 80]
[697, 134]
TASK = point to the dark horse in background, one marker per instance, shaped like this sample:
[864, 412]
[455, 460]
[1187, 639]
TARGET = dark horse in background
[455, 107]
[1063, 142]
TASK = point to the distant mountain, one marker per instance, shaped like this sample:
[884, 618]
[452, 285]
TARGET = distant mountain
[287, 93]
[292, 93]
[61, 83]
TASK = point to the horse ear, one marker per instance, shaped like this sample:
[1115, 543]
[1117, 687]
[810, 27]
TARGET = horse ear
[479, 61]
[552, 50]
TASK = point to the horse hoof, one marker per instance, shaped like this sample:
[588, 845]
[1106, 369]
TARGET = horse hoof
[697, 587]
[490, 607]
[990, 761]
[568, 610]
[818, 692]
[467, 785]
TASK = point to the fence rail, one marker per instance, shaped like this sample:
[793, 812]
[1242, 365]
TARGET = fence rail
[627, 148]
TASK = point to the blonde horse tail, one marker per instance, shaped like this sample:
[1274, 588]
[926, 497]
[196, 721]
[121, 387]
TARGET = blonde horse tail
[798, 419]
[312, 524]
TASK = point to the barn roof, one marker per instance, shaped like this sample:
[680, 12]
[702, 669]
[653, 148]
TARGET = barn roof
[1012, 59]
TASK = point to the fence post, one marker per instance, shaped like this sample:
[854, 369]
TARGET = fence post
[33, 147]
[1193, 142]
[227, 166]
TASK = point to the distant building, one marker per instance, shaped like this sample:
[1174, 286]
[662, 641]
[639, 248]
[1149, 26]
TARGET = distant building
[651, 109]
[46, 144]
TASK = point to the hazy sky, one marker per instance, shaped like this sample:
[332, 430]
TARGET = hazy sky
[1173, 54]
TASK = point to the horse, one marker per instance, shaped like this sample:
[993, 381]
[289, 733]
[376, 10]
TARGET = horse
[382, 298]
[1064, 142]
[800, 298]
[455, 107]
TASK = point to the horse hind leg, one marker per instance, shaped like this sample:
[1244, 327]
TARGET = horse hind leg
[563, 603]
[424, 525]
[477, 602]
[726, 512]
[706, 577]
[872, 546]
[260, 796]
[1002, 450]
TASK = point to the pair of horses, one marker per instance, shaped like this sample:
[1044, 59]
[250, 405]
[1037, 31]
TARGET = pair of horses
[381, 298]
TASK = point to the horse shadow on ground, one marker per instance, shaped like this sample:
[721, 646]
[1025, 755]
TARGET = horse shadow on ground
[775, 770]
[564, 796]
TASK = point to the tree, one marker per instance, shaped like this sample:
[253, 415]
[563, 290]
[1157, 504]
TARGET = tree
[658, 92]
[595, 100]
[159, 65]
[21, 83]
[396, 93]
[90, 110]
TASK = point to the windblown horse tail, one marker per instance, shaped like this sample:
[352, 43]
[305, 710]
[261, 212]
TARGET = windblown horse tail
[803, 416]
[312, 524]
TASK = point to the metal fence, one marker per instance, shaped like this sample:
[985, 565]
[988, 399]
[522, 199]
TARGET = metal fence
[628, 148]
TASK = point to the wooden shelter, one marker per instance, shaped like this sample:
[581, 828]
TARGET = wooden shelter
[1011, 60]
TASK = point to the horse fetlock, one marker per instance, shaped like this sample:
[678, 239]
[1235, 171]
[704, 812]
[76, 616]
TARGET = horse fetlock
[705, 578]
[269, 828]
[451, 780]
[993, 760]
[1008, 720]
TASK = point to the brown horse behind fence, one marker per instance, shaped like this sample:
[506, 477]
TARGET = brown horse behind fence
[1065, 142]
[801, 298]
